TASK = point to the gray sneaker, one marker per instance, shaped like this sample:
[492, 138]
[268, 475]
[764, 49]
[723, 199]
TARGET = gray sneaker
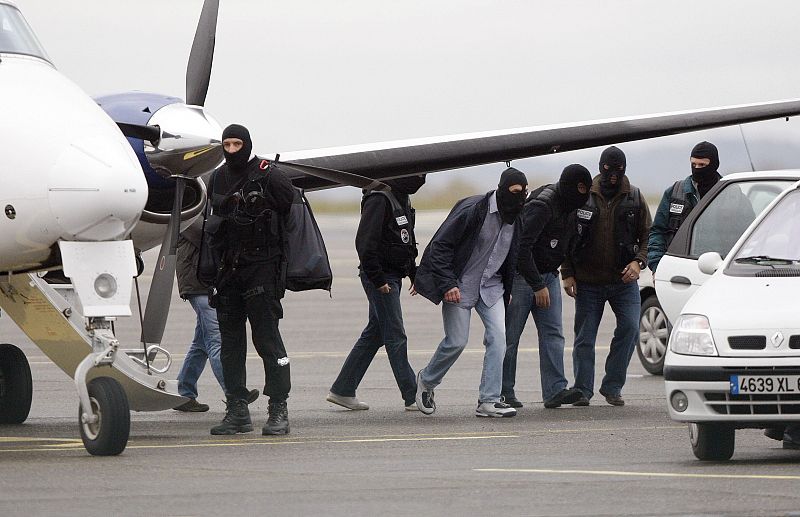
[346, 402]
[425, 401]
[495, 410]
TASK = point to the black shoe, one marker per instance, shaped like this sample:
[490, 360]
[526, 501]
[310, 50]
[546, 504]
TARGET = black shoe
[252, 396]
[614, 400]
[511, 400]
[775, 433]
[278, 420]
[192, 406]
[565, 396]
[236, 419]
[581, 402]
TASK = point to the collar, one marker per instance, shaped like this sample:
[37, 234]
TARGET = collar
[624, 188]
[493, 202]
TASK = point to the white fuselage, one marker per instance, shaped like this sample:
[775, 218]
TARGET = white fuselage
[67, 172]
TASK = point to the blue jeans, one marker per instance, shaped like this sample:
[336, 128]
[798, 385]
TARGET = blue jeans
[456, 336]
[205, 345]
[589, 303]
[548, 327]
[384, 328]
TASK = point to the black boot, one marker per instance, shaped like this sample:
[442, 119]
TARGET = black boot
[236, 420]
[278, 420]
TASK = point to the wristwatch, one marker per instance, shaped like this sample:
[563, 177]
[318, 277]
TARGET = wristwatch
[642, 264]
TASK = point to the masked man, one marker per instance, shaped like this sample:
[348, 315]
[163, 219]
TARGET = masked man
[387, 251]
[249, 200]
[604, 266]
[469, 265]
[537, 291]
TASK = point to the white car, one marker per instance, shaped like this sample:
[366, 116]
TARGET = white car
[715, 224]
[734, 353]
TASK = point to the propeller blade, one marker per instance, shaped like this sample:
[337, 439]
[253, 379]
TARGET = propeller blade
[158, 300]
[198, 71]
[344, 178]
[149, 133]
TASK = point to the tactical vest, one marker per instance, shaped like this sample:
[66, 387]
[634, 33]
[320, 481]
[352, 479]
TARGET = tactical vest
[553, 233]
[679, 208]
[626, 225]
[398, 245]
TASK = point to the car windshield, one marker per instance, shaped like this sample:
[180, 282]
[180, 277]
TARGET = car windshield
[16, 37]
[775, 243]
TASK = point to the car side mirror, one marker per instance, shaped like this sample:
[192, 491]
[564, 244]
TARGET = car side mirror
[709, 262]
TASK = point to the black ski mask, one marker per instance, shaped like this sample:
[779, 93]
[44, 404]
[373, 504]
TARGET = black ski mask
[510, 203]
[238, 160]
[408, 185]
[615, 159]
[568, 186]
[705, 177]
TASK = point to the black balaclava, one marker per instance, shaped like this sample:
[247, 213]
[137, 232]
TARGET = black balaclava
[568, 186]
[705, 177]
[408, 185]
[614, 158]
[238, 160]
[509, 203]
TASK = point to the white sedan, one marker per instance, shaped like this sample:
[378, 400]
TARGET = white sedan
[734, 353]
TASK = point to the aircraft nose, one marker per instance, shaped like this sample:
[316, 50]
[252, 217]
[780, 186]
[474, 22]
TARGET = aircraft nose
[97, 190]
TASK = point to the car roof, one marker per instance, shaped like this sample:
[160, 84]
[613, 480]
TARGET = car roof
[778, 174]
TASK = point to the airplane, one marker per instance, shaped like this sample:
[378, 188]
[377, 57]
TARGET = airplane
[119, 174]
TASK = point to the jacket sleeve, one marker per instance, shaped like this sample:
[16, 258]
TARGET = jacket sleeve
[368, 238]
[644, 232]
[282, 191]
[443, 245]
[537, 216]
[657, 240]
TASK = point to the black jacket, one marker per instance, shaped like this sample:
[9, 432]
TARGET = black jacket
[545, 236]
[380, 245]
[187, 256]
[447, 254]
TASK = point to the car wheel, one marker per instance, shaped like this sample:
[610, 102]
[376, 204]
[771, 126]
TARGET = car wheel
[108, 436]
[712, 442]
[16, 385]
[654, 329]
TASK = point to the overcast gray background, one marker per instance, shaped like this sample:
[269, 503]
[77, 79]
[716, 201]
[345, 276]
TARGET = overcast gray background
[311, 74]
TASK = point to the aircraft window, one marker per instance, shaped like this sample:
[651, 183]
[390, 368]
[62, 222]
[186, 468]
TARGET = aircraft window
[729, 214]
[16, 37]
[776, 241]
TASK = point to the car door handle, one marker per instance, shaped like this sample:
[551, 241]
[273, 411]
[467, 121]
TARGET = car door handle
[680, 280]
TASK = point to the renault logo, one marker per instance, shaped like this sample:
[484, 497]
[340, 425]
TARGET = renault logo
[777, 339]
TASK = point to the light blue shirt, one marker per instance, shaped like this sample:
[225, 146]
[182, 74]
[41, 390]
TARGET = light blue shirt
[481, 276]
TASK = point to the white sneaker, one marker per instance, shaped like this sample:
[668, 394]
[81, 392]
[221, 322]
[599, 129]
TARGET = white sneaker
[412, 407]
[495, 410]
[425, 401]
[348, 402]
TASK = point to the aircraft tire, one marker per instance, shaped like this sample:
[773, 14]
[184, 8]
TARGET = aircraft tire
[16, 385]
[712, 441]
[108, 436]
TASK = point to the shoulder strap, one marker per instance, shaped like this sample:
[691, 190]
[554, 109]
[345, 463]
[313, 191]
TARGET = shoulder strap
[393, 202]
[677, 191]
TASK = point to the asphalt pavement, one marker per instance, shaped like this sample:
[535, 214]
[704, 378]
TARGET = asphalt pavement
[596, 460]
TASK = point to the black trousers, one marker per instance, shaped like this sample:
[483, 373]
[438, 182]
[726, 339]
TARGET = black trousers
[251, 295]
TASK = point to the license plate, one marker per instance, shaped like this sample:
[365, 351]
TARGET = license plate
[768, 384]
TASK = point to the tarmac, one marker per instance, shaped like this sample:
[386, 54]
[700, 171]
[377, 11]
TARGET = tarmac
[588, 461]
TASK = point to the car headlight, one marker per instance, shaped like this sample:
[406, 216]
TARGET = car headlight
[692, 336]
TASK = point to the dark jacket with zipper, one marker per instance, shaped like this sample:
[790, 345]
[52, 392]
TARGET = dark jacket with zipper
[188, 255]
[447, 254]
[380, 244]
[545, 236]
[599, 260]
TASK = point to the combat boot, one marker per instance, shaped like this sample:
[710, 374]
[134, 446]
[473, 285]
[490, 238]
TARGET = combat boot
[236, 420]
[278, 420]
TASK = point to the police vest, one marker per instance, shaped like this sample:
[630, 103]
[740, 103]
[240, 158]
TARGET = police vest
[398, 243]
[626, 225]
[679, 208]
[553, 233]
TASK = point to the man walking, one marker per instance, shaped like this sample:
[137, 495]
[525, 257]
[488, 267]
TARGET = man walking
[537, 290]
[387, 251]
[610, 252]
[469, 265]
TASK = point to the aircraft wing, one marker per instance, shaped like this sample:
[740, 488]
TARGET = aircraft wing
[321, 168]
